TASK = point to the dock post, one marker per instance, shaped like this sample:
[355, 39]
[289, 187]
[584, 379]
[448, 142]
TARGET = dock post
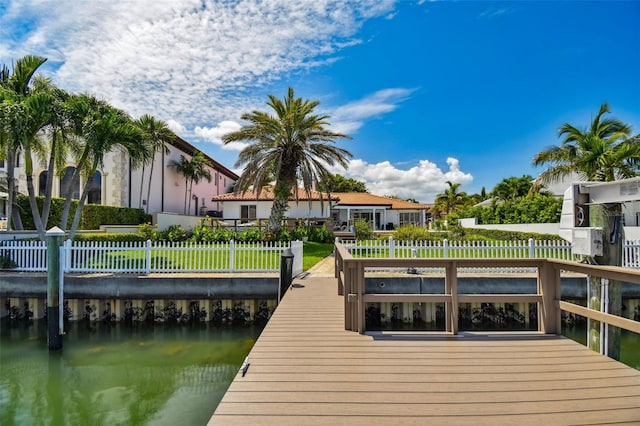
[55, 237]
[286, 272]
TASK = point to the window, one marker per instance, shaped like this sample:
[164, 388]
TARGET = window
[409, 218]
[94, 194]
[42, 183]
[65, 183]
[2, 164]
[247, 213]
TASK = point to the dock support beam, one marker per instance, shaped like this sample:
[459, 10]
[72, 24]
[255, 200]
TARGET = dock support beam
[55, 237]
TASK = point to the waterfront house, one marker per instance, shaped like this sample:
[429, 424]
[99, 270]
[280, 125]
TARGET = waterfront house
[343, 210]
[119, 184]
[382, 213]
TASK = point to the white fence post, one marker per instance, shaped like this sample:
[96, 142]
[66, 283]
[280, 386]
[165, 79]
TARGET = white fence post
[67, 255]
[232, 255]
[392, 248]
[445, 245]
[532, 250]
[297, 250]
[147, 257]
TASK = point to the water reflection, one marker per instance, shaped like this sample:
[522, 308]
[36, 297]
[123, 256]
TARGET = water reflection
[112, 374]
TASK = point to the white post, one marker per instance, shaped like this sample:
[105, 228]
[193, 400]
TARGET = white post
[446, 248]
[148, 257]
[232, 260]
[392, 248]
[532, 251]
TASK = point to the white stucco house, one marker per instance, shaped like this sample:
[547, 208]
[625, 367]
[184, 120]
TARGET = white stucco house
[118, 184]
[341, 210]
[382, 213]
[248, 206]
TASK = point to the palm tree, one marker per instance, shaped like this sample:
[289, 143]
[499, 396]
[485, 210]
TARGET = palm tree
[513, 188]
[450, 201]
[104, 129]
[193, 170]
[603, 152]
[156, 135]
[58, 139]
[293, 144]
[15, 91]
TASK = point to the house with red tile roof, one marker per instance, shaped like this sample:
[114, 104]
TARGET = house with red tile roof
[344, 208]
[382, 213]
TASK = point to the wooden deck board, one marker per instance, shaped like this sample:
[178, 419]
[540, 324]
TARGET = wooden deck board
[305, 369]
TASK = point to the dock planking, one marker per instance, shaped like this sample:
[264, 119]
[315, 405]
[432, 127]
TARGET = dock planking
[305, 369]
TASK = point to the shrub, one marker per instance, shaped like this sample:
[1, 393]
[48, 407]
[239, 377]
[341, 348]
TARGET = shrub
[363, 230]
[110, 237]
[321, 235]
[412, 233]
[147, 232]
[250, 236]
[173, 233]
[93, 215]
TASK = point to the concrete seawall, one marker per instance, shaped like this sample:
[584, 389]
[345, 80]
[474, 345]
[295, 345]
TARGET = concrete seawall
[128, 286]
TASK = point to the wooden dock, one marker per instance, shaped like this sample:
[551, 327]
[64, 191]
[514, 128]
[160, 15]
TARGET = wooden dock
[305, 369]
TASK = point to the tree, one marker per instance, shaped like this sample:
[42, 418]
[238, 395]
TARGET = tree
[156, 135]
[19, 116]
[338, 183]
[103, 128]
[603, 152]
[193, 171]
[450, 201]
[293, 145]
[510, 189]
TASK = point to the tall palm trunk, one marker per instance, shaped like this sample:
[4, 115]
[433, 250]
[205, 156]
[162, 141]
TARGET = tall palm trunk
[11, 192]
[75, 179]
[141, 188]
[28, 165]
[81, 201]
[153, 160]
[46, 206]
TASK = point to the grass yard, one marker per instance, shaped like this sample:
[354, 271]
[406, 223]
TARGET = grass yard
[314, 253]
[207, 258]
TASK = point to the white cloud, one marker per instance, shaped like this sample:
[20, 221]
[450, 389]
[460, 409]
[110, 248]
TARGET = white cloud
[176, 127]
[421, 182]
[197, 62]
[350, 117]
[214, 134]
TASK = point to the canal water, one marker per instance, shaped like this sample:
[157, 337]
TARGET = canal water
[114, 374]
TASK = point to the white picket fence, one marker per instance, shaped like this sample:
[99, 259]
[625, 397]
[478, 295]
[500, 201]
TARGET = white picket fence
[147, 257]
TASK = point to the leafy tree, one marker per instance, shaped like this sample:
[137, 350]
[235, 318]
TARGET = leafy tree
[102, 128]
[22, 112]
[292, 144]
[450, 201]
[605, 151]
[538, 208]
[156, 135]
[338, 183]
[512, 188]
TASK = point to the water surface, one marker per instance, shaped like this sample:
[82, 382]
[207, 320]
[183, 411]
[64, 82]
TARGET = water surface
[118, 375]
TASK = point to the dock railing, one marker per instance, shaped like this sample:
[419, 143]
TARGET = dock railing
[350, 272]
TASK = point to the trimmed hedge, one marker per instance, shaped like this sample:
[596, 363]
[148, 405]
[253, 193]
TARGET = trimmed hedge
[496, 234]
[538, 209]
[93, 215]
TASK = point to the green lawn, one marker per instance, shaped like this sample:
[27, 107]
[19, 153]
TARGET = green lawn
[314, 253]
[180, 259]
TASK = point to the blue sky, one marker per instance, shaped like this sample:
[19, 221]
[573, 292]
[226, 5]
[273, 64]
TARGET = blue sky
[430, 91]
